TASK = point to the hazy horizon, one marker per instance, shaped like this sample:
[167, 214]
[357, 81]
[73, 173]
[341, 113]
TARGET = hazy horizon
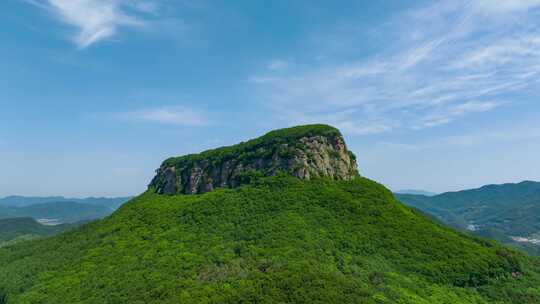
[430, 95]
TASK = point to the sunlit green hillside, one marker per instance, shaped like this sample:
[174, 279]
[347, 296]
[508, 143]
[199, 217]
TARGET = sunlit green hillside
[277, 240]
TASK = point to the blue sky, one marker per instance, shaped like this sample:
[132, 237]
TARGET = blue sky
[433, 95]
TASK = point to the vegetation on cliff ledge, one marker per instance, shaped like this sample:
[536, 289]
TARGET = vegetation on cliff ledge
[248, 149]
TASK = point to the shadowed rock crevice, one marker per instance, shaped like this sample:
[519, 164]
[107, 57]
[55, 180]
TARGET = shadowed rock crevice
[304, 152]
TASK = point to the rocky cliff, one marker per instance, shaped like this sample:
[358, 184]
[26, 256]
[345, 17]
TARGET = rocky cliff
[304, 152]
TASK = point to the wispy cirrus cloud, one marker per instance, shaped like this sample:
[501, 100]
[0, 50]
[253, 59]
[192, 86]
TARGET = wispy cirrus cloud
[504, 135]
[451, 113]
[503, 7]
[96, 20]
[175, 115]
[454, 59]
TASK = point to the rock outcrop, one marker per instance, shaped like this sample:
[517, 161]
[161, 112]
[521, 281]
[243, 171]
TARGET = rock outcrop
[304, 152]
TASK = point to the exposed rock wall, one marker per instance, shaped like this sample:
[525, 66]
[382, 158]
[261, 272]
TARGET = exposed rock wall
[304, 156]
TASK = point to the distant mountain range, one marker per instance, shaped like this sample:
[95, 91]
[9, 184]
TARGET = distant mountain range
[416, 192]
[509, 213]
[21, 201]
[24, 218]
[61, 209]
[61, 212]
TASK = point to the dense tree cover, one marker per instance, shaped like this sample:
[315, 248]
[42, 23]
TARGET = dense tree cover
[496, 211]
[276, 240]
[3, 297]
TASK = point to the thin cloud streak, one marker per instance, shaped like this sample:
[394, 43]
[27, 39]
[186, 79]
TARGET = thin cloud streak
[516, 134]
[450, 114]
[182, 116]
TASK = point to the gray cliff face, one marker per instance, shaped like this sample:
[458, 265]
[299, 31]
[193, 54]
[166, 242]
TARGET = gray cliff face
[304, 157]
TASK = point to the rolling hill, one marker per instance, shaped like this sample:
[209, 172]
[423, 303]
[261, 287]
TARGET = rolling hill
[14, 230]
[284, 218]
[23, 201]
[509, 213]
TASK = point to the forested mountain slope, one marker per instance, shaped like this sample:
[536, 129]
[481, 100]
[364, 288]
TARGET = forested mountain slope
[269, 235]
[509, 213]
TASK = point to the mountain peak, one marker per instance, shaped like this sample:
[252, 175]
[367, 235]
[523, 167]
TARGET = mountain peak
[304, 151]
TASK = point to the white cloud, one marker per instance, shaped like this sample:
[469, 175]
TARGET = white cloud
[508, 135]
[474, 107]
[96, 20]
[415, 55]
[453, 59]
[449, 114]
[167, 115]
[277, 65]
